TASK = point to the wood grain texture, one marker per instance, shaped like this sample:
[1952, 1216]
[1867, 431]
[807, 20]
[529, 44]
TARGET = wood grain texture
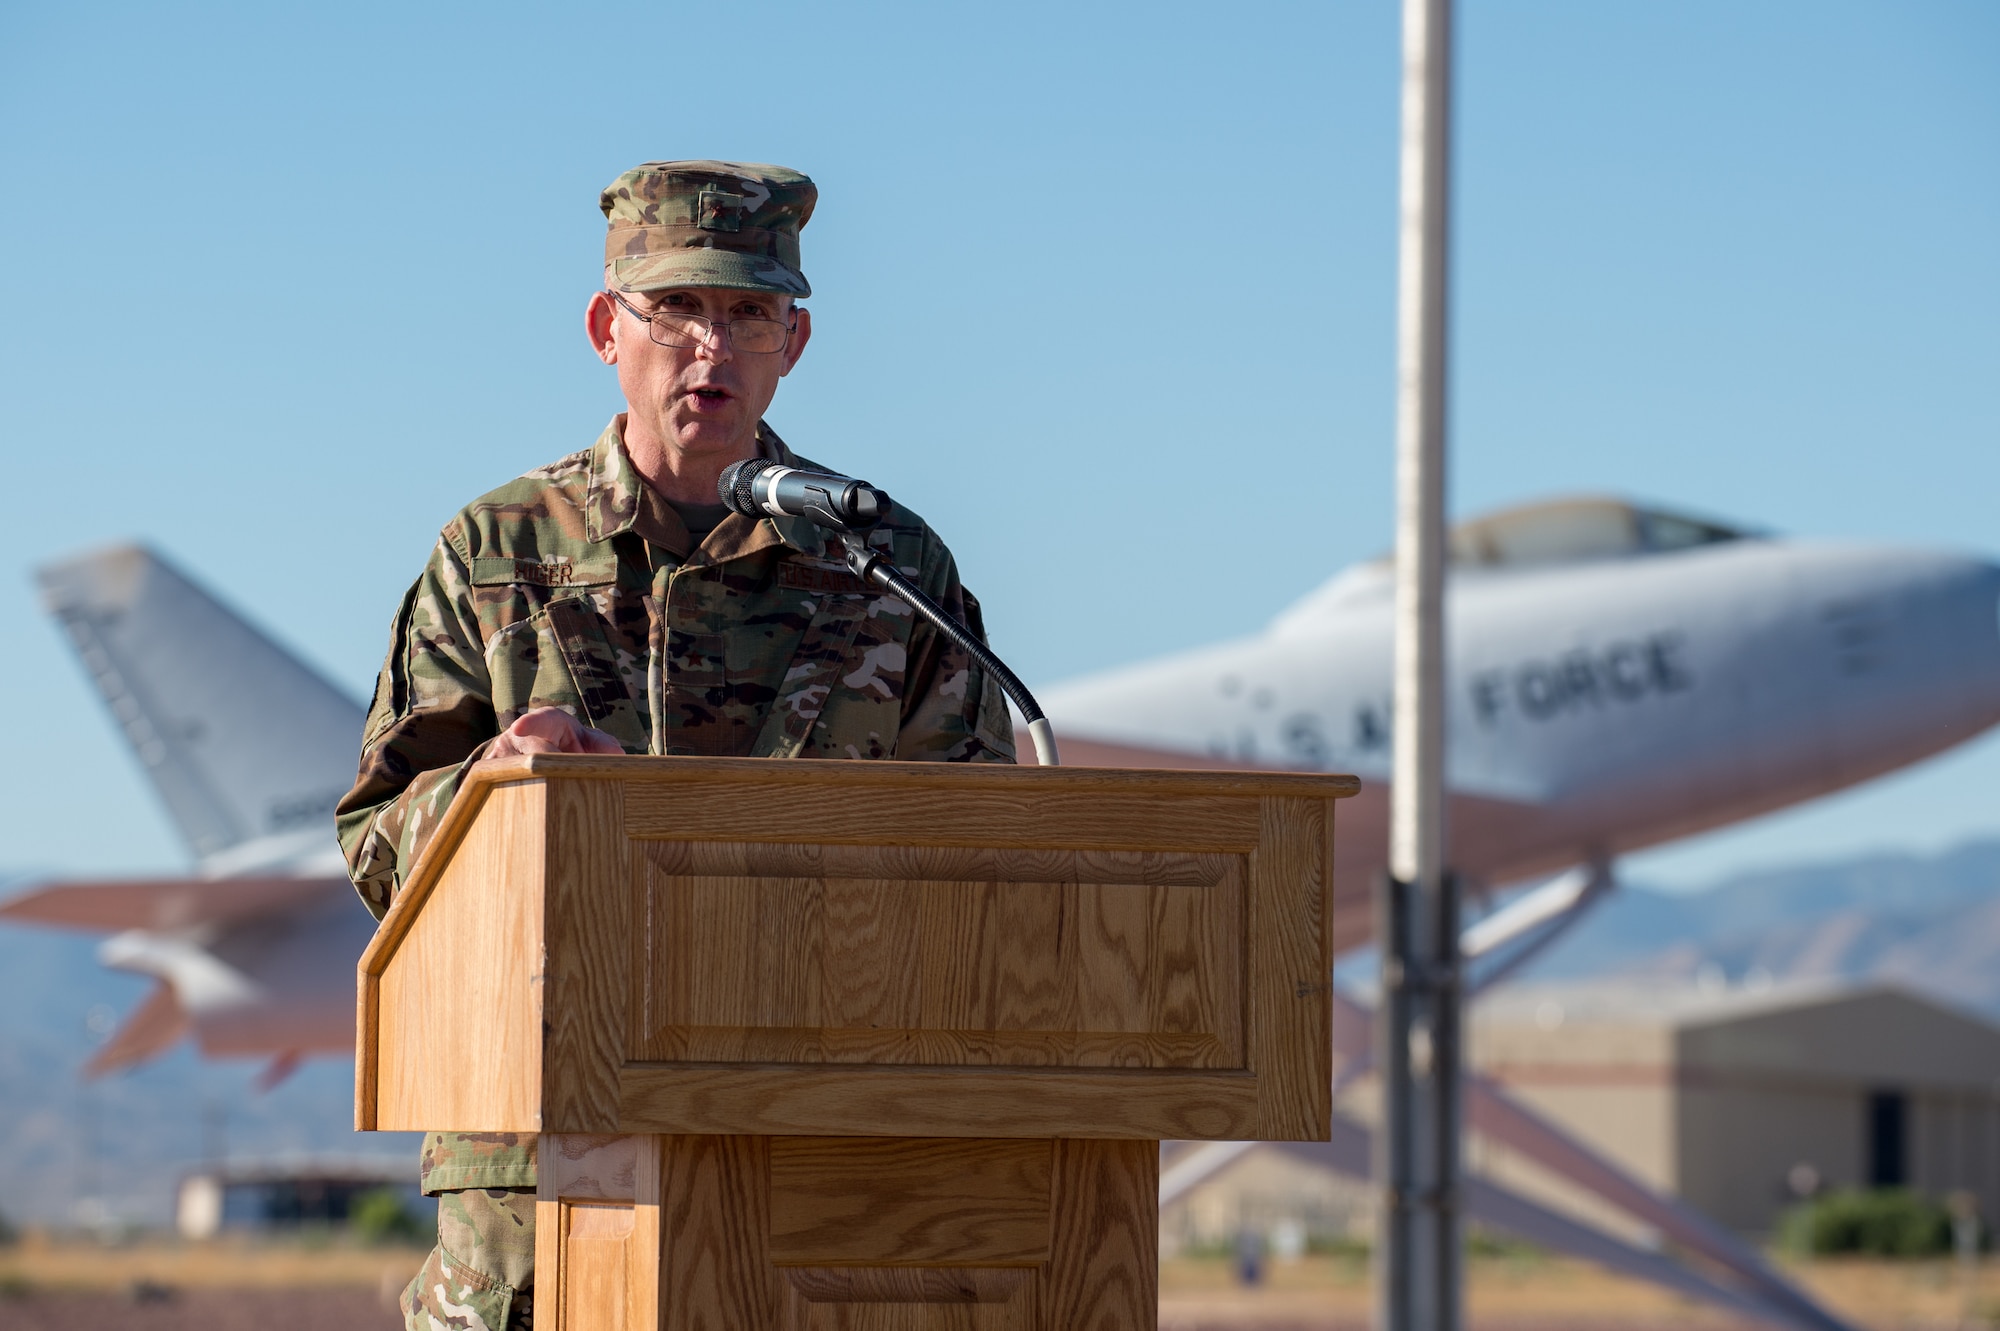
[1037, 962]
[938, 1102]
[388, 937]
[846, 1235]
[1052, 818]
[548, 1251]
[597, 1233]
[589, 930]
[1151, 973]
[1291, 971]
[599, 1266]
[1104, 1274]
[907, 1299]
[891, 776]
[456, 1045]
[909, 1201]
[960, 864]
[367, 1050]
[935, 1284]
[715, 1267]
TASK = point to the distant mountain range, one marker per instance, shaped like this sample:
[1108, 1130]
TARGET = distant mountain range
[1929, 922]
[1932, 923]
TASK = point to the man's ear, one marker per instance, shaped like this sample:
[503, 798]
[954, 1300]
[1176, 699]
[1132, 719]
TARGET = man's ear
[598, 318]
[801, 334]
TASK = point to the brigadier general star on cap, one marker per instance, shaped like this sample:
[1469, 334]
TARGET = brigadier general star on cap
[733, 225]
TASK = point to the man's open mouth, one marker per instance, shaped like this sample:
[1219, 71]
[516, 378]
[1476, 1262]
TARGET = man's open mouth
[710, 397]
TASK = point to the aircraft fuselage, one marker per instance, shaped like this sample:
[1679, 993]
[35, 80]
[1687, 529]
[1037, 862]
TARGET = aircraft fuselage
[1593, 708]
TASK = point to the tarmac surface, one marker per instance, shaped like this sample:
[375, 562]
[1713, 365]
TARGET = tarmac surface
[200, 1310]
[163, 1285]
[363, 1310]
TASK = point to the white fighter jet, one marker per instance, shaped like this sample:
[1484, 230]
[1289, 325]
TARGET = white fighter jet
[1620, 676]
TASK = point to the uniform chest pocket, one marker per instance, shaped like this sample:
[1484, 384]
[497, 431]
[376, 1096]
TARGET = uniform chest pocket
[697, 662]
[559, 657]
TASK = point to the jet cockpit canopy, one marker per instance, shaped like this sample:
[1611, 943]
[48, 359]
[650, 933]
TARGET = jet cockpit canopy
[1571, 531]
[1576, 530]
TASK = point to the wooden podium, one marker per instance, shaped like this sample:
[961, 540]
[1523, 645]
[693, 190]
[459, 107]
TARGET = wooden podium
[855, 1045]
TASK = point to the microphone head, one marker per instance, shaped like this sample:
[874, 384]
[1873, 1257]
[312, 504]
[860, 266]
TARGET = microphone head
[865, 505]
[734, 485]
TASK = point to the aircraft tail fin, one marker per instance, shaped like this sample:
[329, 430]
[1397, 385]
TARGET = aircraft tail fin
[243, 741]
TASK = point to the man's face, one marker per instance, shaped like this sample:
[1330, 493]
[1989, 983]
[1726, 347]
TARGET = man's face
[700, 399]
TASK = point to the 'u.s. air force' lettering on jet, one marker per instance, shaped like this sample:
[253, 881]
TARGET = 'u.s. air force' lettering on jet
[1626, 670]
[1620, 672]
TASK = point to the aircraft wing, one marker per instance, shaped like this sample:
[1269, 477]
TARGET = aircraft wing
[247, 966]
[115, 905]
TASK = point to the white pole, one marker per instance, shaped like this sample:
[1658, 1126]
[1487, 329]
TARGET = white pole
[1418, 1262]
[1416, 820]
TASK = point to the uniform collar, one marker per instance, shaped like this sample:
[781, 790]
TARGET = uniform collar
[618, 500]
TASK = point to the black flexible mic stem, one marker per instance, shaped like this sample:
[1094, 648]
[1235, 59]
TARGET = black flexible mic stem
[851, 508]
[872, 567]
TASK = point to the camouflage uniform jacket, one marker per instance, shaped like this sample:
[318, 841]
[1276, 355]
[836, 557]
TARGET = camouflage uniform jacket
[575, 587]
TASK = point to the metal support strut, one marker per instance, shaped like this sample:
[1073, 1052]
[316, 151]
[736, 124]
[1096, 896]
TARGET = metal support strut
[1419, 1047]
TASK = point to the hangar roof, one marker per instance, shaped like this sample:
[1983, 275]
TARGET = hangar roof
[1882, 1035]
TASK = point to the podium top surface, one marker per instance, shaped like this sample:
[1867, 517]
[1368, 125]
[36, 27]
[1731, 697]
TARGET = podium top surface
[640, 769]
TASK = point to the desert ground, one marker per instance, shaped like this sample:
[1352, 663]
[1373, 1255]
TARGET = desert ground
[330, 1285]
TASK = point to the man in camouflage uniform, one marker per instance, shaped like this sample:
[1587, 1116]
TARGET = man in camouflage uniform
[607, 603]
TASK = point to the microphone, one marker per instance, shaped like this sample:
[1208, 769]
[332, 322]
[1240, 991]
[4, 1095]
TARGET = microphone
[757, 486]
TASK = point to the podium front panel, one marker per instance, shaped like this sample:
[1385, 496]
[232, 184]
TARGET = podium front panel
[826, 1233]
[799, 949]
[944, 956]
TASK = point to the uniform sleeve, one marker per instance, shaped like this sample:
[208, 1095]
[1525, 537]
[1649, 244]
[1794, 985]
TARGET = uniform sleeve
[432, 718]
[953, 711]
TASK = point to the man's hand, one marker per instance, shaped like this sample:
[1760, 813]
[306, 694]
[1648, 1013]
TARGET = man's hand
[550, 730]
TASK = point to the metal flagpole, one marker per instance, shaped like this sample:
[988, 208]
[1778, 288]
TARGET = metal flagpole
[1418, 1256]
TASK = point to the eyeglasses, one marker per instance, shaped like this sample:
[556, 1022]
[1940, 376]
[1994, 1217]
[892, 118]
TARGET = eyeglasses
[671, 328]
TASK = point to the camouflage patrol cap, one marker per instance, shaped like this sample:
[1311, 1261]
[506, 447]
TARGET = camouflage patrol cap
[707, 224]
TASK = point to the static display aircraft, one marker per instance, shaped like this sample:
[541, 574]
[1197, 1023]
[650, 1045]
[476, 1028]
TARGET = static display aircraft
[1620, 676]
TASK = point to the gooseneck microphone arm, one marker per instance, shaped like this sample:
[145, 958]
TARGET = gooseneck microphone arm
[872, 567]
[757, 486]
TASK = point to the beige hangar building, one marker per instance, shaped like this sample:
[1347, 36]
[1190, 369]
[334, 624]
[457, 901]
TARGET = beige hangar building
[1733, 1100]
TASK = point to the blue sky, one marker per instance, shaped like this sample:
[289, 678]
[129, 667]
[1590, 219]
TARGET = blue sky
[283, 286]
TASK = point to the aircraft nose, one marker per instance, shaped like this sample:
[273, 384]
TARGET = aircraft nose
[1990, 577]
[1972, 600]
[1912, 642]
